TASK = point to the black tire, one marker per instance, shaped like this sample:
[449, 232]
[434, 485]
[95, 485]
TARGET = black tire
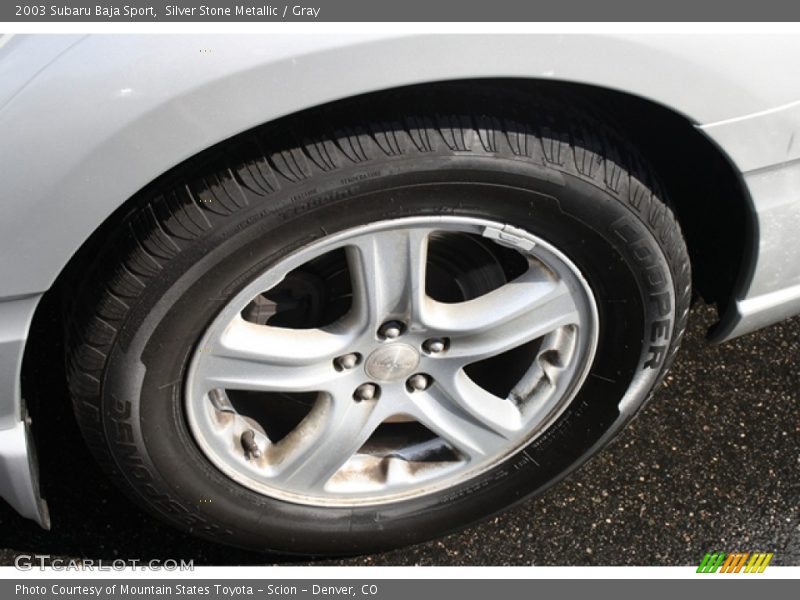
[192, 239]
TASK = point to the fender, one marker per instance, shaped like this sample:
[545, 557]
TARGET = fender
[108, 114]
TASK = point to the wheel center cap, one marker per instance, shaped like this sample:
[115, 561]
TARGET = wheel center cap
[393, 362]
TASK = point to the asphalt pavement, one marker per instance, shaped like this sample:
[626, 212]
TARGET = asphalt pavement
[712, 463]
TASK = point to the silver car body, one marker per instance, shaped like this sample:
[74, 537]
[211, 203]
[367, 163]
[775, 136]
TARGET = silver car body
[86, 121]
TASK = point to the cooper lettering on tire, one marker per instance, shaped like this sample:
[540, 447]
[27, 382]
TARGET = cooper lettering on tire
[377, 322]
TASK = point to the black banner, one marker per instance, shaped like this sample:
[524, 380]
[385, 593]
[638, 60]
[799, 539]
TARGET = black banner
[391, 589]
[148, 11]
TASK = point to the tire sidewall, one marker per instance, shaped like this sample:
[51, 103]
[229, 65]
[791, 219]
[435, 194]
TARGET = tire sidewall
[609, 240]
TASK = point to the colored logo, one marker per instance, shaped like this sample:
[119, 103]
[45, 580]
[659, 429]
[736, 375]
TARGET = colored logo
[743, 562]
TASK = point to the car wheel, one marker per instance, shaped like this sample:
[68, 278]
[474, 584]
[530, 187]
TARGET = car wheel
[372, 325]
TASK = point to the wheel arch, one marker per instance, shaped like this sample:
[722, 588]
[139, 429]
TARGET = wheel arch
[130, 108]
[704, 188]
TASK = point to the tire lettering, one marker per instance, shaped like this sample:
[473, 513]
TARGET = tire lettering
[662, 302]
[657, 356]
[659, 329]
[656, 280]
[132, 464]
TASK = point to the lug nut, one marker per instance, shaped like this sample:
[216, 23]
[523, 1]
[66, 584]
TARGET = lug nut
[434, 345]
[366, 391]
[391, 330]
[249, 444]
[346, 362]
[418, 383]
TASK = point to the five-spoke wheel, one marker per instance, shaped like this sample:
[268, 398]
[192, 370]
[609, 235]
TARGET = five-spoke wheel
[392, 410]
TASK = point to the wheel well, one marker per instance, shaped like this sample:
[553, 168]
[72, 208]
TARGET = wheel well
[708, 195]
[710, 199]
